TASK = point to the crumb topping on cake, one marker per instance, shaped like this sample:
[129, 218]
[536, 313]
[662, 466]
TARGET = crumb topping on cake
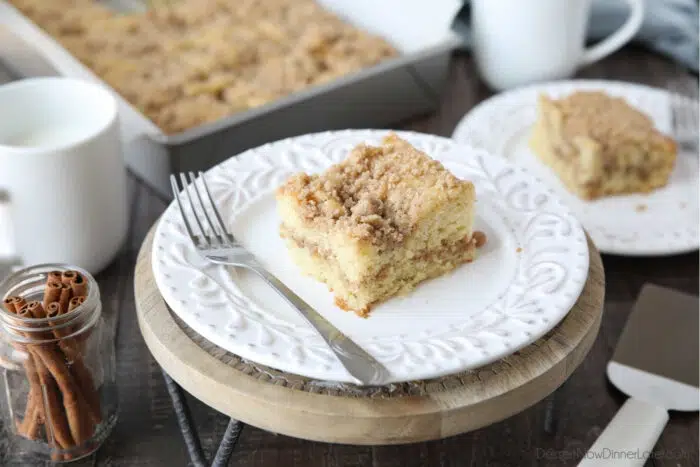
[610, 121]
[377, 193]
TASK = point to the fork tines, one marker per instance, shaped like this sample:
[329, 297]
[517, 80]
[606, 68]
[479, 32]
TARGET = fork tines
[199, 213]
[684, 109]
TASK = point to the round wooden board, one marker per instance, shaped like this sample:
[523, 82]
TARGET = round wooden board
[339, 413]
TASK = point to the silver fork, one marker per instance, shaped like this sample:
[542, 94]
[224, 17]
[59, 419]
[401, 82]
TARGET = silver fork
[215, 242]
[684, 112]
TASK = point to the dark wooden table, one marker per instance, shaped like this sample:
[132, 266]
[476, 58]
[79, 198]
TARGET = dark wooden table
[147, 433]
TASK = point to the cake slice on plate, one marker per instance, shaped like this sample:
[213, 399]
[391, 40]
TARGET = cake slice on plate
[378, 223]
[599, 145]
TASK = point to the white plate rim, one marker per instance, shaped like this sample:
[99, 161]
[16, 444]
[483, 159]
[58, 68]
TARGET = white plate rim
[572, 283]
[607, 247]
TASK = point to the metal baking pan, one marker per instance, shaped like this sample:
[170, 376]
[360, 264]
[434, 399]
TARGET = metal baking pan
[385, 94]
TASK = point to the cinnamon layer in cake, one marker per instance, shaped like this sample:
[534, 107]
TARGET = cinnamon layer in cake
[397, 275]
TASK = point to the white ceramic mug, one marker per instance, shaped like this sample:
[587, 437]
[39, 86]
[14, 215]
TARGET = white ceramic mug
[61, 165]
[518, 42]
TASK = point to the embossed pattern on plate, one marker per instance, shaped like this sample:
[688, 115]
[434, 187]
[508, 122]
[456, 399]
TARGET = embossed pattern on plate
[663, 222]
[525, 280]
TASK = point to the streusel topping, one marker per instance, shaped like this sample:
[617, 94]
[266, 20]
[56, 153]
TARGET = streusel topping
[608, 120]
[378, 193]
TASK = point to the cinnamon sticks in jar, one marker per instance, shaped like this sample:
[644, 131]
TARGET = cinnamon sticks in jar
[63, 404]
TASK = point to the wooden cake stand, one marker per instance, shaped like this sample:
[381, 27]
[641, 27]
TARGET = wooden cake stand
[397, 413]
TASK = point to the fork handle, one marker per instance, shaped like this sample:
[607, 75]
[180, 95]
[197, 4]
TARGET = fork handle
[361, 365]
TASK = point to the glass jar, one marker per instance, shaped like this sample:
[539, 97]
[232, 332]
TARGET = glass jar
[57, 361]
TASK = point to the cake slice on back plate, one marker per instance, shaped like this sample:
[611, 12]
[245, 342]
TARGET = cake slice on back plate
[378, 223]
[599, 145]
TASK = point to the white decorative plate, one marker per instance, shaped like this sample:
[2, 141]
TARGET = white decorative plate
[663, 222]
[525, 280]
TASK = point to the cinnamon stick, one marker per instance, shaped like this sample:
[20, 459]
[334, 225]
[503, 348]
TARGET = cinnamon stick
[54, 276]
[53, 309]
[52, 312]
[80, 340]
[33, 411]
[75, 302]
[72, 399]
[36, 310]
[68, 276]
[56, 423]
[80, 372]
[57, 430]
[52, 293]
[47, 406]
[66, 295]
[19, 303]
[79, 285]
[9, 304]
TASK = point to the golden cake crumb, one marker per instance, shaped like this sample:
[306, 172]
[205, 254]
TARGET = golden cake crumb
[479, 238]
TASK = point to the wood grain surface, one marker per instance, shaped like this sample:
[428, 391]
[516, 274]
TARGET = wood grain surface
[554, 432]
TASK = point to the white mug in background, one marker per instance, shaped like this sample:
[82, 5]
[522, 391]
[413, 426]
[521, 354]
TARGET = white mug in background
[61, 165]
[518, 42]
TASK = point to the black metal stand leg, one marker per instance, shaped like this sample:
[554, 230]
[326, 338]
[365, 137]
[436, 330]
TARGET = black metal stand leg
[184, 419]
[189, 432]
[228, 443]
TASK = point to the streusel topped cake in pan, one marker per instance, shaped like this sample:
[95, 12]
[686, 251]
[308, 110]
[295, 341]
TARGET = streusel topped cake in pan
[184, 63]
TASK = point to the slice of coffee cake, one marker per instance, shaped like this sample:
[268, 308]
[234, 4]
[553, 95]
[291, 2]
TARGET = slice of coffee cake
[600, 145]
[378, 223]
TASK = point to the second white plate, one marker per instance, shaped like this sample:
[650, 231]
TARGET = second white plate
[663, 222]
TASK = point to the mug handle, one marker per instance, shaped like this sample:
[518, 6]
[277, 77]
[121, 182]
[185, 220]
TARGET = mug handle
[619, 38]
